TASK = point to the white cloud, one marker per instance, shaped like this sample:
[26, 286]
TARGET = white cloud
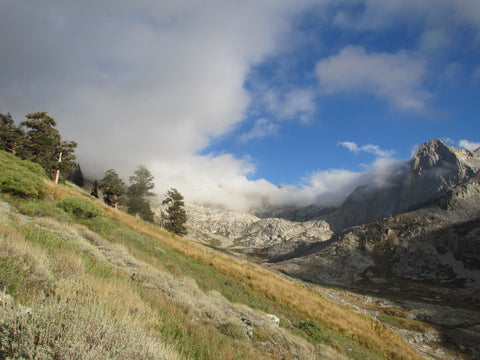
[447, 140]
[393, 77]
[139, 82]
[433, 40]
[296, 104]
[223, 181]
[292, 104]
[261, 129]
[369, 148]
[469, 145]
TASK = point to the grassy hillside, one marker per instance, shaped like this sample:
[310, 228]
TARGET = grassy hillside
[80, 280]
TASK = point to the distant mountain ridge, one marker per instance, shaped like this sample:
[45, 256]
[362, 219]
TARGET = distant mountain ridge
[434, 169]
[432, 172]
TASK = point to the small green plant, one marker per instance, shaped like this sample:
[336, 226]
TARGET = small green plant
[311, 328]
[80, 208]
[232, 330]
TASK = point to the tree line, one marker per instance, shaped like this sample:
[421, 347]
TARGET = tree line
[37, 139]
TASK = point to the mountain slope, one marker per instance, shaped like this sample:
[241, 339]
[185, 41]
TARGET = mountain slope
[102, 284]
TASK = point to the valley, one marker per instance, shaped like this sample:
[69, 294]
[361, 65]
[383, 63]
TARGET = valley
[406, 253]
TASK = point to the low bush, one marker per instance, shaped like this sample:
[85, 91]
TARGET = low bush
[19, 177]
[80, 208]
[39, 208]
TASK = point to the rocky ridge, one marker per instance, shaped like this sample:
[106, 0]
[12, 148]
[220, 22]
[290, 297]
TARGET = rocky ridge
[241, 231]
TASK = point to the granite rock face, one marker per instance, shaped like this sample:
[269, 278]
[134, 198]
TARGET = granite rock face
[434, 169]
[248, 233]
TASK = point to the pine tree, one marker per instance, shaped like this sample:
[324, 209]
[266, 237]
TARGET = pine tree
[112, 188]
[140, 185]
[11, 137]
[65, 161]
[175, 213]
[140, 207]
[94, 191]
[43, 145]
[76, 176]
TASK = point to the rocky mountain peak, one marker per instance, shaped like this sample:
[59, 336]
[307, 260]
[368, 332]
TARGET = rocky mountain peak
[433, 153]
[434, 169]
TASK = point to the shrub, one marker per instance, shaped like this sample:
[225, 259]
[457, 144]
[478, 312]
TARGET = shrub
[20, 177]
[20, 184]
[39, 208]
[79, 208]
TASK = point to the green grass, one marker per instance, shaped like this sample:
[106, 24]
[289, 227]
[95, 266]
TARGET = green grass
[79, 208]
[318, 334]
[12, 276]
[179, 264]
[39, 208]
[403, 323]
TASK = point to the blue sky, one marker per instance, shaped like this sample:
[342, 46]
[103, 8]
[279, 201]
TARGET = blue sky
[444, 80]
[228, 101]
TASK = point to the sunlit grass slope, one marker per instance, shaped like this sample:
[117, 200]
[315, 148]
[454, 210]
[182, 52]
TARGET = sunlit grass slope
[80, 280]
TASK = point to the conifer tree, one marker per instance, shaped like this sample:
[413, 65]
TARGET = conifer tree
[11, 136]
[175, 213]
[43, 145]
[65, 160]
[76, 176]
[112, 188]
[140, 185]
[94, 191]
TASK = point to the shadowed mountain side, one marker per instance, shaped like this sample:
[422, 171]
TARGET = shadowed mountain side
[436, 243]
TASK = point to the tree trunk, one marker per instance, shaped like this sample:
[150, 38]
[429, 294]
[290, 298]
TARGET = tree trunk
[57, 172]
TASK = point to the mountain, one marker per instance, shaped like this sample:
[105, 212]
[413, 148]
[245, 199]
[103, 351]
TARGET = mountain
[412, 238]
[434, 169]
[435, 244]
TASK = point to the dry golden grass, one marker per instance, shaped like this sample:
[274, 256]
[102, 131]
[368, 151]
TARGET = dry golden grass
[300, 300]
[89, 318]
[99, 284]
[307, 302]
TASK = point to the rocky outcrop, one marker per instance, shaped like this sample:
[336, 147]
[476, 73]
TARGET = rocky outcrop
[217, 226]
[247, 233]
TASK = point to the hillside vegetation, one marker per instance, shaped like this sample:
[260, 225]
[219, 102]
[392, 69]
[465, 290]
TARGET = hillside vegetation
[80, 280]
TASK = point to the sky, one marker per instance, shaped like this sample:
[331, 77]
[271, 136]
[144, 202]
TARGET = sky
[239, 103]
